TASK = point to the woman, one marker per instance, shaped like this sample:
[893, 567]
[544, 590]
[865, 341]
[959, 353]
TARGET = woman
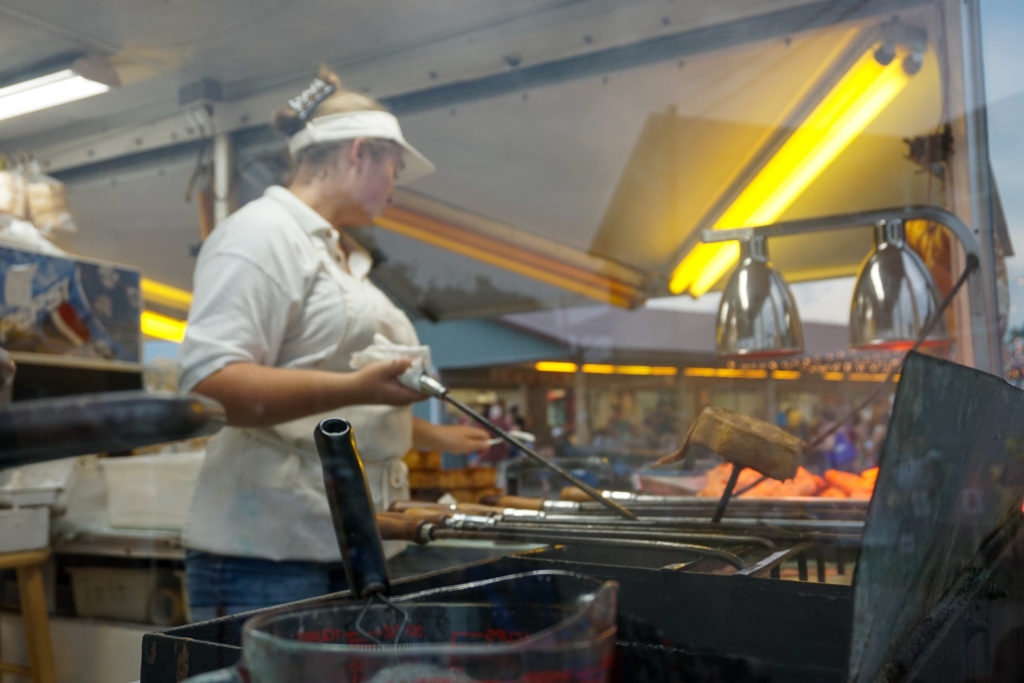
[281, 302]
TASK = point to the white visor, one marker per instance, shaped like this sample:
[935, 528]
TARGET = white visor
[381, 125]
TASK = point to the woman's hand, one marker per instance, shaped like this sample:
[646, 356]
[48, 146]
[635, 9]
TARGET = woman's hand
[456, 439]
[463, 439]
[378, 382]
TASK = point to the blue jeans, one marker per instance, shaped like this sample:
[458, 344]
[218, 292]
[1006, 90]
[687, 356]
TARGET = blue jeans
[219, 585]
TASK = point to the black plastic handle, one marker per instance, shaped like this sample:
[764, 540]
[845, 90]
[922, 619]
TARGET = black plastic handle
[50, 428]
[351, 508]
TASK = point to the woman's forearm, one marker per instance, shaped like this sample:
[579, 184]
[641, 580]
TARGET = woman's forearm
[258, 396]
[459, 439]
[426, 436]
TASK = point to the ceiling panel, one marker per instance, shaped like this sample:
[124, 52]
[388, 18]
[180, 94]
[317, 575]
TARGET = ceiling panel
[623, 163]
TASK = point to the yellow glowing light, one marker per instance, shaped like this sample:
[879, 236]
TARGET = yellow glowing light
[643, 370]
[832, 376]
[741, 374]
[785, 374]
[856, 100]
[597, 369]
[867, 376]
[727, 373]
[633, 370]
[159, 293]
[162, 327]
[554, 366]
[603, 369]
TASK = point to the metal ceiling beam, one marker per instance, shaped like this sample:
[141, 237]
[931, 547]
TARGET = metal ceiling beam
[650, 51]
[407, 93]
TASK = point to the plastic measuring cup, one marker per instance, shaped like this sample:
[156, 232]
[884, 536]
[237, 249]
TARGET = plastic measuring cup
[470, 633]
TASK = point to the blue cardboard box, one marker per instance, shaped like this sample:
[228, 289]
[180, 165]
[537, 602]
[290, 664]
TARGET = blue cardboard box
[69, 306]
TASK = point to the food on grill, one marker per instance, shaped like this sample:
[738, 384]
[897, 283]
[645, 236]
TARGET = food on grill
[853, 485]
[834, 484]
[745, 441]
[429, 481]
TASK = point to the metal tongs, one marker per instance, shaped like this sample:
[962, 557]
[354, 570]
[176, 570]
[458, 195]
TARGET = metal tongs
[431, 386]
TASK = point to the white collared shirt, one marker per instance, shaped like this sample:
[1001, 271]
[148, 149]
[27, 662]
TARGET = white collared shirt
[273, 288]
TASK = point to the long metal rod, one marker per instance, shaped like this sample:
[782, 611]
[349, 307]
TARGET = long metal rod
[436, 532]
[734, 477]
[468, 522]
[651, 504]
[774, 529]
[775, 559]
[979, 167]
[657, 516]
[222, 172]
[926, 329]
[818, 510]
[681, 536]
[563, 473]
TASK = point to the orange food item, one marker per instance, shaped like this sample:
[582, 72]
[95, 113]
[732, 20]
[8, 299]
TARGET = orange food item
[835, 484]
[769, 488]
[801, 485]
[853, 485]
[718, 477]
[804, 484]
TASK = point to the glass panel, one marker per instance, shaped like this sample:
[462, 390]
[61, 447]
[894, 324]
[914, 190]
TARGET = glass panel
[189, 286]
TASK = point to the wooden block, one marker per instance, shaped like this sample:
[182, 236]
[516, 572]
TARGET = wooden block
[469, 494]
[743, 440]
[422, 460]
[482, 476]
[423, 479]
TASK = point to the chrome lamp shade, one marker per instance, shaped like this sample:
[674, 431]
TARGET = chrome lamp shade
[757, 316]
[894, 295]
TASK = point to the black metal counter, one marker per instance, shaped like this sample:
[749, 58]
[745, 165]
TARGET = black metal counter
[933, 571]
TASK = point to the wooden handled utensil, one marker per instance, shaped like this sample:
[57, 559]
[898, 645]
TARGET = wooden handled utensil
[745, 442]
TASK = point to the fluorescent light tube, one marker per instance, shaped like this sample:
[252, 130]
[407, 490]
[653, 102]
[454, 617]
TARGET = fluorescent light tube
[162, 327]
[84, 78]
[855, 101]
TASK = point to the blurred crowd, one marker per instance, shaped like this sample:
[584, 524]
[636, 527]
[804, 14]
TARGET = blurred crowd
[853, 447]
[626, 429]
[658, 430]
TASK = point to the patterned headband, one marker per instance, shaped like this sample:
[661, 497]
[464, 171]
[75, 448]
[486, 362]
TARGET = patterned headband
[317, 92]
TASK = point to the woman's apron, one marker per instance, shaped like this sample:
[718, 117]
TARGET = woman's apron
[383, 434]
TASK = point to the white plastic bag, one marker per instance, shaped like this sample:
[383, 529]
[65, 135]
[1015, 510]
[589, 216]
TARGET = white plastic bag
[383, 348]
[48, 204]
[23, 235]
[13, 198]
